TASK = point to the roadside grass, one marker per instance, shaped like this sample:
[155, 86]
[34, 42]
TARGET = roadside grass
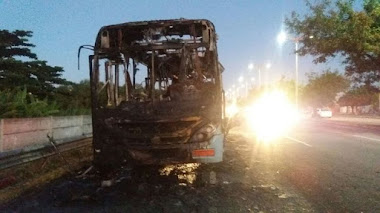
[33, 175]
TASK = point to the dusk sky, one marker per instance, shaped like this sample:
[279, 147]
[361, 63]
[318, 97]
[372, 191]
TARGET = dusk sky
[247, 30]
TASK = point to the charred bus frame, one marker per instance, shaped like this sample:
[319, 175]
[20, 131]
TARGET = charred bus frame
[176, 113]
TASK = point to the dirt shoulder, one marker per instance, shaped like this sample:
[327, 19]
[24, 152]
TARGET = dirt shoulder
[239, 184]
[18, 180]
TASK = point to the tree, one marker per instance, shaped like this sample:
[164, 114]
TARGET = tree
[322, 89]
[74, 96]
[337, 29]
[359, 97]
[38, 77]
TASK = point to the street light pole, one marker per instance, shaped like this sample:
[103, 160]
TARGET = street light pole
[281, 38]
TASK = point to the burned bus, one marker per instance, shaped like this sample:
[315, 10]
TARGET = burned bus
[157, 95]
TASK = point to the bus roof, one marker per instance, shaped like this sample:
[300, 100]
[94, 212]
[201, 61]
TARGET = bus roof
[138, 26]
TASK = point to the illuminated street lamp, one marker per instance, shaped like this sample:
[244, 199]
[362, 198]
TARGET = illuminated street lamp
[251, 66]
[282, 37]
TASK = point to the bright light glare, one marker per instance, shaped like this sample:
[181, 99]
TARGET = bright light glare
[271, 116]
[231, 110]
[250, 66]
[281, 38]
[268, 65]
[241, 79]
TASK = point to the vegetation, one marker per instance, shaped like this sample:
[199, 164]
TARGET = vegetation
[74, 98]
[323, 88]
[337, 29]
[30, 87]
[359, 97]
[38, 77]
[20, 103]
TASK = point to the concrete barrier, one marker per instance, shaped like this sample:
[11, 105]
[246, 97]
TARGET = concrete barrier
[31, 133]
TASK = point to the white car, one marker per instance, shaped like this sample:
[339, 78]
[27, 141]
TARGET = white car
[324, 113]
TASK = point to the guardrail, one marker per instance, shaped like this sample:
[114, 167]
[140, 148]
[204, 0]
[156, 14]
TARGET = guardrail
[26, 139]
[17, 158]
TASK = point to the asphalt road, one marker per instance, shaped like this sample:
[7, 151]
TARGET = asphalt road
[335, 165]
[321, 166]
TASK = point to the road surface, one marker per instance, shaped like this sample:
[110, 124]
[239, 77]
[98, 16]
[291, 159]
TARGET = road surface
[321, 166]
[336, 166]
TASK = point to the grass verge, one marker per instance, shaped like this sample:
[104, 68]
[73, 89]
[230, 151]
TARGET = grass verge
[33, 175]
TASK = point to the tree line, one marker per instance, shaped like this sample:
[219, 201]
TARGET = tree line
[29, 87]
[331, 29]
[336, 28]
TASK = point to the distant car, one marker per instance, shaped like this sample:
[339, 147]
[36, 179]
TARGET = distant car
[324, 113]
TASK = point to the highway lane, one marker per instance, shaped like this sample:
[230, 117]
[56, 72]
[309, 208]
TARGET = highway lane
[335, 166]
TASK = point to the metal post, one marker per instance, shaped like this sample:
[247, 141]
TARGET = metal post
[126, 80]
[116, 93]
[296, 83]
[106, 66]
[152, 78]
[112, 88]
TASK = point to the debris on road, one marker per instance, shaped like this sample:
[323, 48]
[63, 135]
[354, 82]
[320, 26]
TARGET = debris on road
[107, 183]
[83, 174]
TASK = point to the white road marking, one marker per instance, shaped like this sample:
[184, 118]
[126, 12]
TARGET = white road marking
[298, 141]
[368, 138]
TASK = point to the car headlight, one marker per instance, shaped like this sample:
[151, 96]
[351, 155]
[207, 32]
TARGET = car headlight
[203, 134]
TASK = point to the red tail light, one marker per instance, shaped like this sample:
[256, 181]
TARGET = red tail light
[203, 153]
